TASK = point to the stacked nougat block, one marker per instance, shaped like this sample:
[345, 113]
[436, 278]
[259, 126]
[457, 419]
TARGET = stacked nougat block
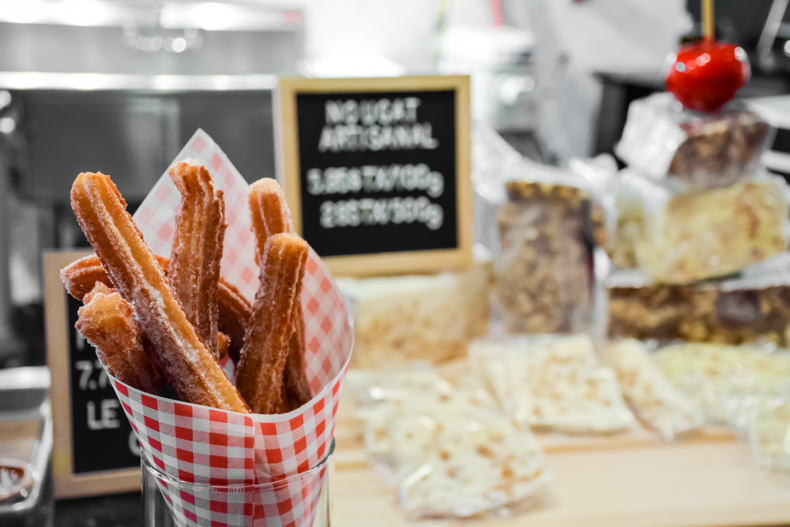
[696, 229]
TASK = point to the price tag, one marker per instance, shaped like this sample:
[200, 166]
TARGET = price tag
[95, 451]
[377, 171]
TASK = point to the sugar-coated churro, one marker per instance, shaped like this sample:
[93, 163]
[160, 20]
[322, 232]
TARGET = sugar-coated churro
[107, 321]
[197, 249]
[137, 276]
[270, 215]
[234, 310]
[266, 343]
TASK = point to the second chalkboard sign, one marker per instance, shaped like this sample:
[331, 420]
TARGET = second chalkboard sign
[95, 451]
[376, 171]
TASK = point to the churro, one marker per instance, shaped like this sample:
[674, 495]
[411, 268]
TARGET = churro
[270, 215]
[197, 249]
[137, 276]
[234, 310]
[266, 343]
[223, 342]
[107, 322]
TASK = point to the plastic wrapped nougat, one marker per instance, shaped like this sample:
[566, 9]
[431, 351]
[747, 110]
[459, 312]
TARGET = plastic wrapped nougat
[681, 238]
[664, 141]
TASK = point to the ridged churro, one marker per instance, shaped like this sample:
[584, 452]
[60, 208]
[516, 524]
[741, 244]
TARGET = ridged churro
[197, 249]
[137, 276]
[107, 321]
[234, 310]
[270, 215]
[266, 343]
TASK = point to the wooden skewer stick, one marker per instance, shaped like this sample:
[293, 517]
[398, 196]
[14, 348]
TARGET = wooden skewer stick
[707, 19]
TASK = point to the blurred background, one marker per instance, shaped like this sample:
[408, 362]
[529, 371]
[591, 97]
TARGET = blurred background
[121, 85]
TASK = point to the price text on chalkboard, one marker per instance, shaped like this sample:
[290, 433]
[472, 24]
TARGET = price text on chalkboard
[95, 451]
[376, 171]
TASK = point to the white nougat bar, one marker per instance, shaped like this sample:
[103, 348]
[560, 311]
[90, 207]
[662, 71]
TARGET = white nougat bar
[417, 317]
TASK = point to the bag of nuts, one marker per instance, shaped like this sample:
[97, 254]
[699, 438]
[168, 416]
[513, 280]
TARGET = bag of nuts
[544, 267]
[666, 142]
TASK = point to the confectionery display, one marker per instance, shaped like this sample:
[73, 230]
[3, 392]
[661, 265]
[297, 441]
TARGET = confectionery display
[543, 272]
[522, 328]
[417, 317]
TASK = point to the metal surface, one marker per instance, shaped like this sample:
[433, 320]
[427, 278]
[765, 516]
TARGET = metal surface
[149, 49]
[133, 135]
[119, 87]
[37, 80]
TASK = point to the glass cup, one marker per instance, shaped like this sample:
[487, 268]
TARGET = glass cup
[171, 502]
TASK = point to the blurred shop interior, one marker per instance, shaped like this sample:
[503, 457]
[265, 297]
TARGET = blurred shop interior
[122, 84]
[603, 209]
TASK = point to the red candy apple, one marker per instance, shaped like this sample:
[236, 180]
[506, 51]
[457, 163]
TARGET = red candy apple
[706, 74]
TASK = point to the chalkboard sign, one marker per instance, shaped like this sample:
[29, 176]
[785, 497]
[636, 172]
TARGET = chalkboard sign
[95, 450]
[376, 171]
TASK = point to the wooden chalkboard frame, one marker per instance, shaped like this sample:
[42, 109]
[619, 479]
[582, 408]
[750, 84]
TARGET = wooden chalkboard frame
[286, 135]
[66, 483]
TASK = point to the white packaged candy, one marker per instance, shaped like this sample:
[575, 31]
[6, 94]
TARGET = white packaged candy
[729, 383]
[553, 383]
[655, 399]
[769, 435]
[450, 452]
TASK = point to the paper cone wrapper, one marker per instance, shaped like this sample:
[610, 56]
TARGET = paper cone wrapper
[198, 444]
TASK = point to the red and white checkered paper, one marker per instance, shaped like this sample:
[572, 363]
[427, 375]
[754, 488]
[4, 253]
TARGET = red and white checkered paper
[197, 444]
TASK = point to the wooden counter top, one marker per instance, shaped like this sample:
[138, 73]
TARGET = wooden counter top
[705, 481]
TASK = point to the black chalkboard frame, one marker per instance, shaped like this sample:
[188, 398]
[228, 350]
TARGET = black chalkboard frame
[67, 484]
[288, 169]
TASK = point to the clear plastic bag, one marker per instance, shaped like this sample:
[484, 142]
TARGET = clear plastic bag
[553, 383]
[769, 434]
[728, 383]
[664, 141]
[449, 451]
[543, 272]
[680, 238]
[655, 400]
[753, 307]
[399, 319]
